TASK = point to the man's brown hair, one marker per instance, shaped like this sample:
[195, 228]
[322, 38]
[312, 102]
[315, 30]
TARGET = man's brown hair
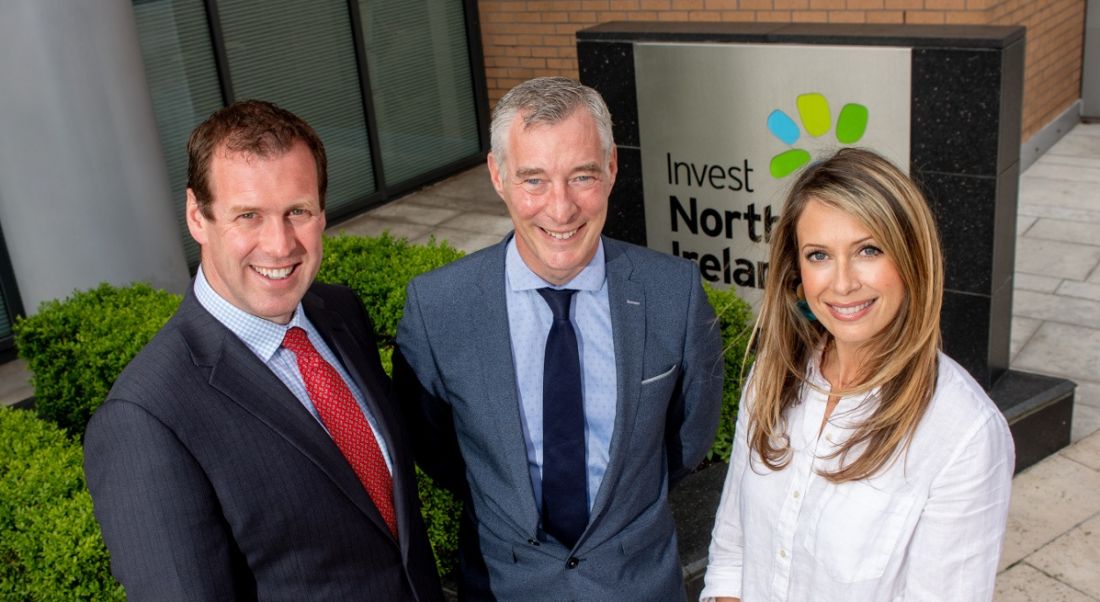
[252, 127]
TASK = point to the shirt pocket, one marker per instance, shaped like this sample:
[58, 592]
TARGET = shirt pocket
[856, 529]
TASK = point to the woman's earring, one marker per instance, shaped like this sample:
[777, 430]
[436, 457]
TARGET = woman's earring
[803, 306]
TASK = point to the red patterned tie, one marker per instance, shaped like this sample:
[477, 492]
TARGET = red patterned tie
[345, 422]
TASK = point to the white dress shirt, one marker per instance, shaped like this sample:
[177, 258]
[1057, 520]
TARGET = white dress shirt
[928, 527]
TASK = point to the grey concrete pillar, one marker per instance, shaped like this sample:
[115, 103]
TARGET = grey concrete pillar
[84, 195]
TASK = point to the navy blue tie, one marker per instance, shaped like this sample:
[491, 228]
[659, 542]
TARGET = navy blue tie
[564, 475]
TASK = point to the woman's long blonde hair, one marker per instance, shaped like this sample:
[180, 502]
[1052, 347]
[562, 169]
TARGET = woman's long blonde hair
[901, 360]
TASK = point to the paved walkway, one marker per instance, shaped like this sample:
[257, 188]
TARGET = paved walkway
[1052, 551]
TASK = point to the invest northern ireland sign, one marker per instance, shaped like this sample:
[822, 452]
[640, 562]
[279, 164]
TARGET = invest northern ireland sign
[725, 128]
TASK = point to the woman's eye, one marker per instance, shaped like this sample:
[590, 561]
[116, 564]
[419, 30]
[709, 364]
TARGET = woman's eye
[870, 251]
[816, 256]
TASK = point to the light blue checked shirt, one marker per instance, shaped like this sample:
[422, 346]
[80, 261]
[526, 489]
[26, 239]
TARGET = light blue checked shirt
[265, 339]
[529, 318]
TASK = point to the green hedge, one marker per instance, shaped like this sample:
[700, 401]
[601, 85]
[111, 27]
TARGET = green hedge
[378, 269]
[736, 319]
[50, 546]
[76, 348]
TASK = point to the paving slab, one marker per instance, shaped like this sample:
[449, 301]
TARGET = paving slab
[480, 223]
[481, 204]
[367, 225]
[1055, 308]
[1023, 222]
[15, 382]
[1028, 210]
[1077, 143]
[1088, 391]
[1048, 499]
[1022, 331]
[1087, 452]
[1061, 350]
[1074, 558]
[1086, 421]
[1066, 231]
[1080, 170]
[1054, 258]
[1057, 191]
[415, 213]
[1081, 290]
[1035, 282]
[467, 242]
[1068, 160]
[1025, 583]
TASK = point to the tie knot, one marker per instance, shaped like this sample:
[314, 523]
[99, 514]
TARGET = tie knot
[297, 340]
[559, 300]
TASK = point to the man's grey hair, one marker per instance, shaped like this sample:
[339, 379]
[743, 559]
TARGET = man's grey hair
[546, 101]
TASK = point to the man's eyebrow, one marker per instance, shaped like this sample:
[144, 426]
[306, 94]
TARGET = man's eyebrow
[591, 166]
[523, 172]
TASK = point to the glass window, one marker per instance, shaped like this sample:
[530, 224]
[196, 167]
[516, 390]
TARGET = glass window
[421, 84]
[183, 81]
[300, 54]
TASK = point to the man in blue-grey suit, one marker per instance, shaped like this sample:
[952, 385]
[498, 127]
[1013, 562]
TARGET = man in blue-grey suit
[561, 381]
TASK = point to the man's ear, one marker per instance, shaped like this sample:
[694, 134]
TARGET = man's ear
[197, 223]
[495, 175]
[613, 164]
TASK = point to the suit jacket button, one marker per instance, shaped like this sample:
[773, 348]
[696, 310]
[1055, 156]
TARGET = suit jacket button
[572, 562]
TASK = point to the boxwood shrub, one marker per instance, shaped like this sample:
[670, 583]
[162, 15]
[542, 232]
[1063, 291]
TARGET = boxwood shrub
[50, 545]
[76, 348]
[735, 319]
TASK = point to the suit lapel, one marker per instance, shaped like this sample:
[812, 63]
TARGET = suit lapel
[339, 338]
[627, 302]
[491, 338]
[237, 373]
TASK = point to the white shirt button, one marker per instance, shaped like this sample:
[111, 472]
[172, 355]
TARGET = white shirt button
[796, 494]
[782, 553]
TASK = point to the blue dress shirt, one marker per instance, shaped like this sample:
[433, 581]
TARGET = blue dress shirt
[265, 339]
[529, 319]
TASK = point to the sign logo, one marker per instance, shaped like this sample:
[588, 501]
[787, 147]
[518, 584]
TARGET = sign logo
[813, 110]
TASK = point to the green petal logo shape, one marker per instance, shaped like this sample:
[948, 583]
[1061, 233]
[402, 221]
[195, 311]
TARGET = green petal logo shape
[816, 118]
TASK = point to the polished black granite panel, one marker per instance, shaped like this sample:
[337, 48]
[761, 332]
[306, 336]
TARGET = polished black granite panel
[965, 211]
[955, 36]
[955, 110]
[625, 210]
[609, 68]
[965, 325]
[1039, 411]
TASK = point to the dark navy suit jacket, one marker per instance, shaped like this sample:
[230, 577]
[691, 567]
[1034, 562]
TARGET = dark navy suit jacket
[211, 481]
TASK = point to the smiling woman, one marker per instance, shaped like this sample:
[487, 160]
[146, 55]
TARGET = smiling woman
[866, 465]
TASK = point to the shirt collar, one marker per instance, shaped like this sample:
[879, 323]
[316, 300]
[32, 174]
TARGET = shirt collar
[263, 337]
[521, 278]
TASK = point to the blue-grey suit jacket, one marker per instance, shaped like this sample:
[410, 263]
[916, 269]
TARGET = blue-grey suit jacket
[211, 481]
[455, 375]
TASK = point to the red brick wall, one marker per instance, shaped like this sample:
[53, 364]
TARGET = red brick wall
[530, 38]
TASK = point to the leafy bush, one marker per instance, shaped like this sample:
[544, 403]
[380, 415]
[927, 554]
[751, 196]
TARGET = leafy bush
[50, 546]
[76, 348]
[378, 269]
[736, 319]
